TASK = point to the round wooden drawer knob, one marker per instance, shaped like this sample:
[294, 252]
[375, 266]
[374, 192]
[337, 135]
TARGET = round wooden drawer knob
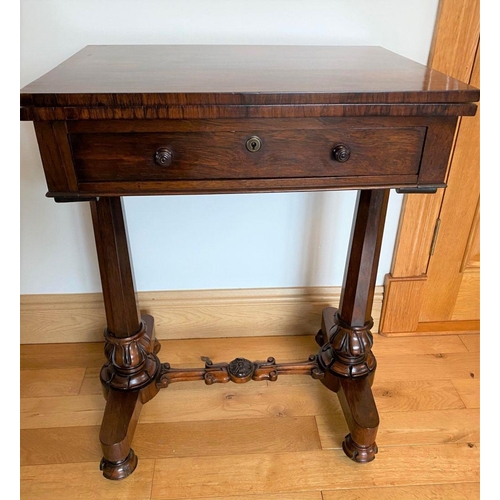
[163, 157]
[341, 153]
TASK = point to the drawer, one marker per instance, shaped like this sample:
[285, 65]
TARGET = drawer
[209, 155]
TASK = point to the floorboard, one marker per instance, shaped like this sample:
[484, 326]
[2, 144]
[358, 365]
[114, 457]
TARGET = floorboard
[281, 440]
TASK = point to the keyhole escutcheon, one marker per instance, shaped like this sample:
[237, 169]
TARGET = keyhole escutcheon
[253, 144]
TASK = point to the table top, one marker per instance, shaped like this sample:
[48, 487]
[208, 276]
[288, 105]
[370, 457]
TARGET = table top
[151, 75]
[109, 116]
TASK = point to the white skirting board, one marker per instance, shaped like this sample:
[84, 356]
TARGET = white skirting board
[62, 318]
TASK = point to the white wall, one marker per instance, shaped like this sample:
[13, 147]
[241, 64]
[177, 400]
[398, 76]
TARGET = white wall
[189, 242]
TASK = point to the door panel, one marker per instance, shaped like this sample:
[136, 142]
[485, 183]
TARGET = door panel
[438, 291]
[458, 210]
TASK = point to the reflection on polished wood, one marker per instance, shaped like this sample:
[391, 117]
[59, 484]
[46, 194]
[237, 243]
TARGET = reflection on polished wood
[258, 74]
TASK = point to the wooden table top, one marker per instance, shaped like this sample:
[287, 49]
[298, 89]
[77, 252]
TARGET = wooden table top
[177, 75]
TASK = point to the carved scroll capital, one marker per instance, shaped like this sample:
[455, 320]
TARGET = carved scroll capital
[132, 361]
[348, 351]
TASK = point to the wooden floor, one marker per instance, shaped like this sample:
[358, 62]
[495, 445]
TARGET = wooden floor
[278, 441]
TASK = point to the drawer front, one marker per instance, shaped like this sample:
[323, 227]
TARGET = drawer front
[206, 155]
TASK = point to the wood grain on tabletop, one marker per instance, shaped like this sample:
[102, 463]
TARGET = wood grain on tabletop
[222, 74]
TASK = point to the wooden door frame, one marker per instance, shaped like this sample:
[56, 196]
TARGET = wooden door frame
[453, 51]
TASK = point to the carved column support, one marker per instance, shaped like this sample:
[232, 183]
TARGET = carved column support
[129, 375]
[132, 361]
[345, 339]
[347, 352]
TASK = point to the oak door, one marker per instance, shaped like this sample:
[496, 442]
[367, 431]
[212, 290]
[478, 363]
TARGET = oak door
[434, 281]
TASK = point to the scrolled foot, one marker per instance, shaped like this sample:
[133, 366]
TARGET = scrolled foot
[358, 453]
[119, 470]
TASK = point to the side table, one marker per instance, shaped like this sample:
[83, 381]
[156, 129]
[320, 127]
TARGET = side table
[113, 121]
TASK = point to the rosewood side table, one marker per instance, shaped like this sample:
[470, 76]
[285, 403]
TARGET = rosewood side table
[124, 120]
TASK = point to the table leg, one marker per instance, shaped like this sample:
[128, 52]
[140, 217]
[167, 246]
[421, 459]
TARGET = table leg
[345, 338]
[128, 378]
